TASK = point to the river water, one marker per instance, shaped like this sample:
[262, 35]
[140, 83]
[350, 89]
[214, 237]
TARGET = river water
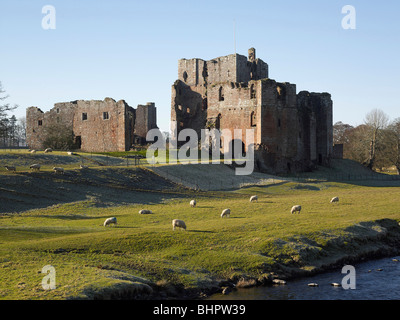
[374, 280]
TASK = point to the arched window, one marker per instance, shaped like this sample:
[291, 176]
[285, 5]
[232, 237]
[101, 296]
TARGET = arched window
[221, 94]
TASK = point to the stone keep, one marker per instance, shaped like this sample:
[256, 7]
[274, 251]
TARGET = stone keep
[96, 125]
[293, 131]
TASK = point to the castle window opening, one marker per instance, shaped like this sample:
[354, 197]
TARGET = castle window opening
[58, 110]
[221, 94]
[40, 122]
[105, 116]
[185, 76]
[252, 92]
[253, 119]
[84, 116]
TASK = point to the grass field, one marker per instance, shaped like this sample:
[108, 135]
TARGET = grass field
[143, 254]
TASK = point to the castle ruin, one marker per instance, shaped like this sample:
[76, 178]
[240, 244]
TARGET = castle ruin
[293, 132]
[96, 125]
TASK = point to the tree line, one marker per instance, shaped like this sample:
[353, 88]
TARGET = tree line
[375, 143]
[12, 130]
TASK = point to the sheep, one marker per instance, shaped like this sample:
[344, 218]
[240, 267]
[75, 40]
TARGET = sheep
[48, 150]
[32, 151]
[70, 153]
[253, 198]
[193, 203]
[10, 168]
[145, 211]
[335, 199]
[226, 213]
[35, 166]
[179, 224]
[110, 221]
[83, 167]
[296, 209]
[58, 170]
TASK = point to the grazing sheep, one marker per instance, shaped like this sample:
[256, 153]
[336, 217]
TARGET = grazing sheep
[253, 198]
[32, 151]
[226, 213]
[110, 221]
[10, 168]
[179, 224]
[145, 211]
[35, 166]
[70, 153]
[48, 150]
[58, 170]
[296, 209]
[193, 203]
[83, 167]
[335, 199]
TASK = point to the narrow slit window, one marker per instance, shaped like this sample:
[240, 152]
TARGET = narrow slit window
[84, 116]
[40, 122]
[105, 116]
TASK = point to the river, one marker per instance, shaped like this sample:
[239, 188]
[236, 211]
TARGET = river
[374, 280]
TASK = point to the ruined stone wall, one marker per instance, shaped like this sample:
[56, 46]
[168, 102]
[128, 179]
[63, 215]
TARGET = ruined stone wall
[280, 126]
[146, 119]
[189, 106]
[317, 118]
[101, 125]
[230, 68]
[97, 125]
[293, 132]
[232, 106]
[38, 123]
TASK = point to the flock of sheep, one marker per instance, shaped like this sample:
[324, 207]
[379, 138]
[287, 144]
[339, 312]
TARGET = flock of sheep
[176, 223]
[37, 166]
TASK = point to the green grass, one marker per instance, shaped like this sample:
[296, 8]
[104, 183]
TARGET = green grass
[258, 238]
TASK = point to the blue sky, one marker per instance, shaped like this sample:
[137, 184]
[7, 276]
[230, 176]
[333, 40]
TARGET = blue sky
[129, 49]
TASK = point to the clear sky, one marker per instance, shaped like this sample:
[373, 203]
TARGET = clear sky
[129, 49]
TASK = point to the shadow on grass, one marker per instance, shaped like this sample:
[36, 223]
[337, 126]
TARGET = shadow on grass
[201, 231]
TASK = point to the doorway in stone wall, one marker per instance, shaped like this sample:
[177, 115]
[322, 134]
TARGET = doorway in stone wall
[237, 149]
[78, 142]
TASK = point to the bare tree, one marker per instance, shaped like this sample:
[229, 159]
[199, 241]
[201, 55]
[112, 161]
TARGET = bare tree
[376, 122]
[393, 144]
[5, 122]
[341, 132]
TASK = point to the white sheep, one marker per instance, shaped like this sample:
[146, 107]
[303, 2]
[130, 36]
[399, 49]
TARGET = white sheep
[179, 224]
[144, 211]
[193, 203]
[253, 198]
[83, 167]
[32, 151]
[10, 168]
[335, 199]
[226, 213]
[35, 166]
[70, 153]
[296, 209]
[58, 170]
[48, 150]
[110, 221]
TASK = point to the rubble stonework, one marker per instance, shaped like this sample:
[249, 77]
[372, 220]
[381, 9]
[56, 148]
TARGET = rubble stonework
[293, 132]
[97, 125]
